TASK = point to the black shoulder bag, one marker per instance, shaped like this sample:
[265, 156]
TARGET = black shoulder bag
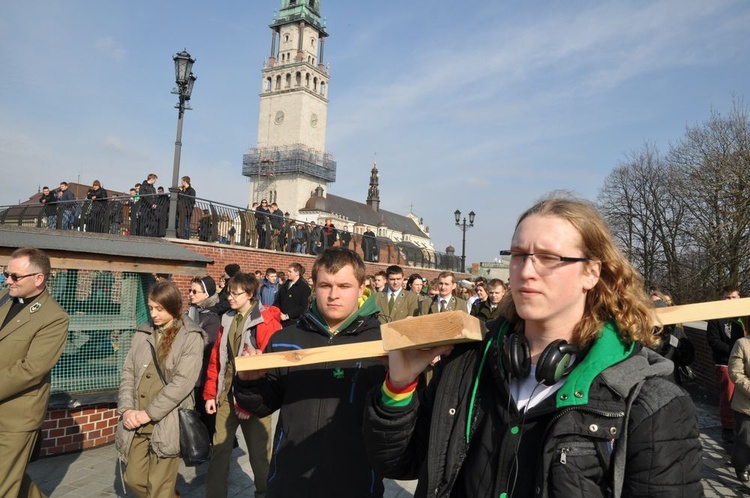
[195, 443]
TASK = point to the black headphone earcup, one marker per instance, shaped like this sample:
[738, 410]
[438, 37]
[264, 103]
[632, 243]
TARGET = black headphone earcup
[554, 362]
[516, 356]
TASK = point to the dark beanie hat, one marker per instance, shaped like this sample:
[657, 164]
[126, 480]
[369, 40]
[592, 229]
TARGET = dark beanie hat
[209, 285]
[232, 269]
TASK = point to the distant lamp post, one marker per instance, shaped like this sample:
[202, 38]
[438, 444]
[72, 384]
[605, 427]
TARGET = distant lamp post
[185, 79]
[464, 226]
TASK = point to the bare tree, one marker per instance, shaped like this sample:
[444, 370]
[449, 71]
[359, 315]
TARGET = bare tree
[712, 162]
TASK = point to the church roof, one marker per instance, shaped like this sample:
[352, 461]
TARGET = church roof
[362, 213]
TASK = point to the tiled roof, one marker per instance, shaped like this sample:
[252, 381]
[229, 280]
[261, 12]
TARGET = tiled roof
[359, 212]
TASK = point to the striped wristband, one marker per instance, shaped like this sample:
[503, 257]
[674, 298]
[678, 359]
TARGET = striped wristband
[397, 397]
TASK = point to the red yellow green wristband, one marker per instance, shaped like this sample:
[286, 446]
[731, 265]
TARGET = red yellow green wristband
[397, 397]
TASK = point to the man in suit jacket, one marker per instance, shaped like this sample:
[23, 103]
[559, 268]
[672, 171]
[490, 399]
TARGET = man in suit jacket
[294, 295]
[445, 300]
[404, 303]
[33, 331]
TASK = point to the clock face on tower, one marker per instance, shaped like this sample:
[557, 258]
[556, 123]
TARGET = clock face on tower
[279, 117]
[314, 120]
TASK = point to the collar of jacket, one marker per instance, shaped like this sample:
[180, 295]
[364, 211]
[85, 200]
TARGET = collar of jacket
[316, 320]
[187, 324]
[207, 303]
[607, 351]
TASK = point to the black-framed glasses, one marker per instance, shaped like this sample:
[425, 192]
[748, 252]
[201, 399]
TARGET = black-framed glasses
[16, 277]
[237, 294]
[540, 260]
[193, 291]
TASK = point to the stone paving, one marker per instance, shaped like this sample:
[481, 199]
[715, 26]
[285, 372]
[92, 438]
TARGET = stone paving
[95, 473]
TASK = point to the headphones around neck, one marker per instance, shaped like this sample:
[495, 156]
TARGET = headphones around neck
[553, 364]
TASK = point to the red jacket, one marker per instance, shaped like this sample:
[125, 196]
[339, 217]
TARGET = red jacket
[263, 332]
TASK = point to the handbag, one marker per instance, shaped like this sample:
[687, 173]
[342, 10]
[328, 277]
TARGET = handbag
[195, 443]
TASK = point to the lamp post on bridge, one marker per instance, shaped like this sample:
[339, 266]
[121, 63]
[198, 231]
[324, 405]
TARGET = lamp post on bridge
[464, 226]
[184, 78]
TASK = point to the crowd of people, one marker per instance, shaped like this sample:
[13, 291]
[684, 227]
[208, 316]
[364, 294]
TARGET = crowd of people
[571, 391]
[146, 209]
[145, 212]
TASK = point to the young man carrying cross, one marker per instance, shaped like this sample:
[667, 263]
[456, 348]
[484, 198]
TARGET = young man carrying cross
[318, 446]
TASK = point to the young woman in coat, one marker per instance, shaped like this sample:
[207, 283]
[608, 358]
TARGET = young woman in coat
[148, 434]
[560, 399]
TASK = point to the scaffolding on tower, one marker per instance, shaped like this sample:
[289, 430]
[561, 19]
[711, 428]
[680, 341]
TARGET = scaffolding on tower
[268, 162]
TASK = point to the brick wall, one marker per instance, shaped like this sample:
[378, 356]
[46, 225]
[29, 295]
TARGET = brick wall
[251, 259]
[703, 366]
[67, 430]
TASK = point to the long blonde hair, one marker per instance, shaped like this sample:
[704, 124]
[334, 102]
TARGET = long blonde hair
[619, 294]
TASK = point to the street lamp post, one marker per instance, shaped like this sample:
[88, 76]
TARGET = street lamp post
[184, 78]
[464, 226]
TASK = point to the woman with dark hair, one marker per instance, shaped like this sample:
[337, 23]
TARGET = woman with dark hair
[148, 434]
[561, 398]
[415, 284]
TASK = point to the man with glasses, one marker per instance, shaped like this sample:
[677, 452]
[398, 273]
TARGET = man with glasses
[32, 338]
[247, 326]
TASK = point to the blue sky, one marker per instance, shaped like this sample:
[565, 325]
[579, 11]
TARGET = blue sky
[472, 105]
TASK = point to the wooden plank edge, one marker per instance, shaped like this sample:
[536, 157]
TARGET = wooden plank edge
[711, 310]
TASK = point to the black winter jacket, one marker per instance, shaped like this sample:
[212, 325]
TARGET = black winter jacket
[318, 448]
[573, 450]
[721, 336]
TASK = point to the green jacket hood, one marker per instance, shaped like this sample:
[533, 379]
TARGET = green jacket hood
[365, 309]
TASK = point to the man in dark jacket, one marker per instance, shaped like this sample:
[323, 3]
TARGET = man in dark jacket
[294, 295]
[318, 446]
[185, 206]
[721, 336]
[276, 219]
[558, 400]
[263, 225]
[49, 200]
[369, 245]
[66, 207]
[345, 237]
[148, 222]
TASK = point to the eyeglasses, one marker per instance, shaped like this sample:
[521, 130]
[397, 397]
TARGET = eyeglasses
[193, 291]
[15, 277]
[541, 261]
[237, 294]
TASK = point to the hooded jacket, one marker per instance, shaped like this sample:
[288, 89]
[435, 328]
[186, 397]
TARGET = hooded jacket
[181, 369]
[258, 327]
[318, 447]
[616, 424]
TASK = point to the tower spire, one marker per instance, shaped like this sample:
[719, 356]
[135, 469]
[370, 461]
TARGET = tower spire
[373, 193]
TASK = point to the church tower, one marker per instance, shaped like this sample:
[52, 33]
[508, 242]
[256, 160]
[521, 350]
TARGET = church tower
[290, 161]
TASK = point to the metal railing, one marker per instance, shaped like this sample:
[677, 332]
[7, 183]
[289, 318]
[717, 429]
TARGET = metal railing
[215, 222]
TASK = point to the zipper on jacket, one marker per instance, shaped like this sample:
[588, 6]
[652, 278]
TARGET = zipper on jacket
[576, 449]
[358, 368]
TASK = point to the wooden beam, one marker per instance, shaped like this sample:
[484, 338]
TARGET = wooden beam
[428, 331]
[420, 332]
[455, 327]
[299, 357]
[711, 310]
